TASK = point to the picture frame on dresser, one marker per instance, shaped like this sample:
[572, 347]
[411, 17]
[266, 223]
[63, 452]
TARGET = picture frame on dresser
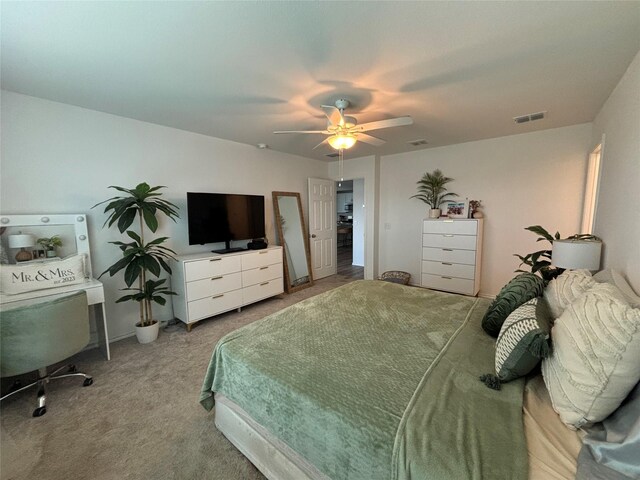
[458, 209]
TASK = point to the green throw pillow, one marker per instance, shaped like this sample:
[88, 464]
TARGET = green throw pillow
[524, 340]
[519, 290]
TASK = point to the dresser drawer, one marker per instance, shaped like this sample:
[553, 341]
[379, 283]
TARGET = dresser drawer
[451, 284]
[262, 290]
[449, 269]
[209, 306]
[460, 227]
[467, 257]
[211, 267]
[214, 285]
[261, 258]
[448, 240]
[262, 274]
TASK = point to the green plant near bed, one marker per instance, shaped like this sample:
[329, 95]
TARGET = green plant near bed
[540, 261]
[139, 259]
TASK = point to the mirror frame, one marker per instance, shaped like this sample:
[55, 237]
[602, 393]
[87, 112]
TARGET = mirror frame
[276, 210]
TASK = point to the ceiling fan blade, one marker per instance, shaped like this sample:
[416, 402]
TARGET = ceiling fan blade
[333, 114]
[324, 142]
[391, 122]
[363, 137]
[326, 132]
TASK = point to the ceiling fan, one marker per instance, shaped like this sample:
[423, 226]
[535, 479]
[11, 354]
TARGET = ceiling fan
[343, 131]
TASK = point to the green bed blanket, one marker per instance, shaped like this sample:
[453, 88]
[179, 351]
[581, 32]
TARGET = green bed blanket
[375, 380]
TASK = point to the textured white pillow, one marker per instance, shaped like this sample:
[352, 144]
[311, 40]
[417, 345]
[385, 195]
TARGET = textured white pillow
[615, 278]
[564, 289]
[596, 356]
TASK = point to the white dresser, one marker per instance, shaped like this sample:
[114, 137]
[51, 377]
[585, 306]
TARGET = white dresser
[209, 284]
[452, 255]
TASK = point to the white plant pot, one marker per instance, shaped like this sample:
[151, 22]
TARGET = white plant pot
[148, 333]
[435, 213]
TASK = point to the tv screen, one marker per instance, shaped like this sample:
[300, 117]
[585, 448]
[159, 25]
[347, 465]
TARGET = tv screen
[222, 217]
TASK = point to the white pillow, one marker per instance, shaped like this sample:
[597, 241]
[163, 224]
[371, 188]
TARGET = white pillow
[614, 278]
[26, 277]
[596, 356]
[565, 288]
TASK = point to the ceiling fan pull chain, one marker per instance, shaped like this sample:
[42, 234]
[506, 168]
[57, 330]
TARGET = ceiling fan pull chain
[341, 166]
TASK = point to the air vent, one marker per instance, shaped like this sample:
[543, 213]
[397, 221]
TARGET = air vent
[532, 117]
[333, 155]
[417, 143]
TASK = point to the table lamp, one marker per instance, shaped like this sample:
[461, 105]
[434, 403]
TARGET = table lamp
[573, 254]
[22, 241]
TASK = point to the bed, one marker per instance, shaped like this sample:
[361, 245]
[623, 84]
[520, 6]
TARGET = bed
[374, 380]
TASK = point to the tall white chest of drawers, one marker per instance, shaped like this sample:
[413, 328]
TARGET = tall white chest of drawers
[209, 284]
[452, 255]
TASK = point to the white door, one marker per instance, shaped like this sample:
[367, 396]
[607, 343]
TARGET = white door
[322, 227]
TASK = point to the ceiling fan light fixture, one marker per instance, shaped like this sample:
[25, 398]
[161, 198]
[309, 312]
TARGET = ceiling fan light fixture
[342, 141]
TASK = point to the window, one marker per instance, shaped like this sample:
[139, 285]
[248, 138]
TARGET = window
[591, 190]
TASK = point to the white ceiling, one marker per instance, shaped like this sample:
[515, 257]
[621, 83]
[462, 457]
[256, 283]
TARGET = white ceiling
[240, 70]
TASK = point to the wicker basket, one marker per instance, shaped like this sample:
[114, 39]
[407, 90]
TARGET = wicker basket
[396, 276]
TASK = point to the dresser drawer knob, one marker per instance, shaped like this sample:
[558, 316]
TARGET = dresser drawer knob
[215, 259]
[448, 278]
[263, 268]
[447, 249]
[216, 278]
[447, 263]
[264, 283]
[218, 296]
[447, 235]
[262, 253]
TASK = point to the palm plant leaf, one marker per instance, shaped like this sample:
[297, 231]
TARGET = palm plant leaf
[432, 190]
[138, 258]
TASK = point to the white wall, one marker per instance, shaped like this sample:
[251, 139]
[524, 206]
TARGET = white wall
[618, 209]
[58, 158]
[522, 180]
[366, 169]
[358, 222]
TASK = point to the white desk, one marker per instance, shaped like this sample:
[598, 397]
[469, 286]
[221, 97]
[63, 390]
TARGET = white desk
[75, 236]
[95, 300]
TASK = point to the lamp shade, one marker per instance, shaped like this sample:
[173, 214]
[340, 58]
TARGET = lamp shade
[22, 240]
[345, 141]
[575, 254]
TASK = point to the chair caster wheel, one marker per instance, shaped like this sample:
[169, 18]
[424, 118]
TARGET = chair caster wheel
[38, 412]
[87, 382]
[73, 369]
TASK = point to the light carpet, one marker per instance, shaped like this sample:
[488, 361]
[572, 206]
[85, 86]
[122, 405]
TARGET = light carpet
[141, 418]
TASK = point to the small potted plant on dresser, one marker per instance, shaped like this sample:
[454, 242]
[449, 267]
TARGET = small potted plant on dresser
[140, 260]
[433, 192]
[49, 245]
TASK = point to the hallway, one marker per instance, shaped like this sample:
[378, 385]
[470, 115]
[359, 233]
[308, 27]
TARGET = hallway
[345, 268]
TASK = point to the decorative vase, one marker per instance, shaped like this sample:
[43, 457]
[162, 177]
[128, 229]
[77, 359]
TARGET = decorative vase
[51, 253]
[434, 213]
[148, 333]
[478, 215]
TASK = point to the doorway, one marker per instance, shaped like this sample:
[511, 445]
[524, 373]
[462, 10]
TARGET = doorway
[350, 216]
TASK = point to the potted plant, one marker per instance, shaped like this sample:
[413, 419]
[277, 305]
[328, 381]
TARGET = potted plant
[49, 245]
[540, 261]
[433, 192]
[139, 259]
[475, 206]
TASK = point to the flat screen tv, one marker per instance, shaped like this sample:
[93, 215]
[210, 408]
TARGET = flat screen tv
[224, 217]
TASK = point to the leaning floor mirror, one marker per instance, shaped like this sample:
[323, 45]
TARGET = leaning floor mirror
[292, 236]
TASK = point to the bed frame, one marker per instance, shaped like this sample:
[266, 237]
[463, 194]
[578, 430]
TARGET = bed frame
[275, 459]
